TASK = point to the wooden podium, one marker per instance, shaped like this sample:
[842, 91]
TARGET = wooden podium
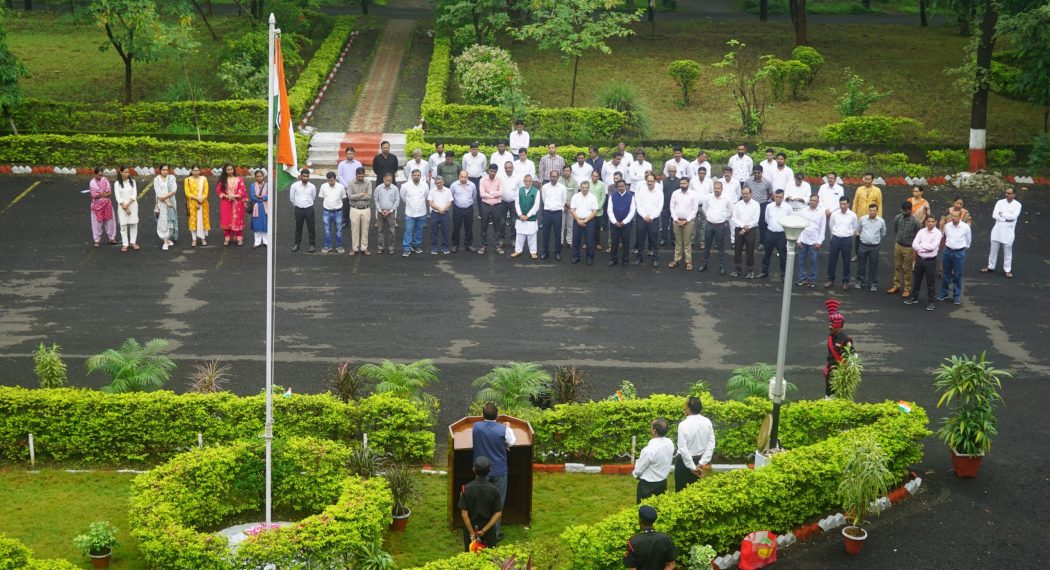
[518, 507]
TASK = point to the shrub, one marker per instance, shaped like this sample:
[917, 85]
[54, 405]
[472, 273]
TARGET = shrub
[1001, 158]
[872, 130]
[855, 99]
[16, 556]
[951, 159]
[405, 381]
[209, 377]
[512, 387]
[972, 387]
[865, 478]
[685, 73]
[811, 58]
[567, 386]
[48, 365]
[623, 97]
[313, 76]
[753, 382]
[405, 488]
[1039, 158]
[845, 378]
[487, 75]
[346, 384]
[437, 74]
[99, 538]
[235, 117]
[789, 72]
[134, 367]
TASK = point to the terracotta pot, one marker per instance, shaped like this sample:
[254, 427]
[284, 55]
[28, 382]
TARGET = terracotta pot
[854, 544]
[966, 466]
[100, 560]
[400, 522]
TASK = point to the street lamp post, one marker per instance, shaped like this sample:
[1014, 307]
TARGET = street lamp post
[793, 226]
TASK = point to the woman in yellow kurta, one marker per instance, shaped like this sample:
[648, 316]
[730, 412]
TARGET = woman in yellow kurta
[197, 204]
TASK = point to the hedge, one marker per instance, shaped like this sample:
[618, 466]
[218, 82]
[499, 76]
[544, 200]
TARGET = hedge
[303, 93]
[16, 556]
[438, 74]
[204, 487]
[95, 427]
[872, 130]
[544, 553]
[94, 150]
[233, 117]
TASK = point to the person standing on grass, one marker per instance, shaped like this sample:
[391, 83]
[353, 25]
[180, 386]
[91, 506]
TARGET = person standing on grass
[165, 188]
[809, 242]
[1005, 214]
[583, 208]
[359, 192]
[232, 196]
[414, 195]
[259, 193]
[872, 230]
[905, 225]
[126, 193]
[927, 244]
[480, 506]
[654, 463]
[866, 194]
[195, 187]
[102, 209]
[463, 192]
[844, 225]
[957, 239]
[649, 549]
[302, 194]
[387, 198]
[696, 444]
[525, 227]
[440, 201]
[332, 194]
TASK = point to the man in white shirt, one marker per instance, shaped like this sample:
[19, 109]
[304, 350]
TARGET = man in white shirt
[740, 163]
[830, 192]
[926, 244]
[637, 171]
[684, 204]
[346, 172]
[417, 163]
[475, 164]
[414, 195]
[768, 165]
[701, 183]
[781, 177]
[843, 223]
[957, 238]
[701, 160]
[681, 165]
[809, 242]
[510, 182]
[621, 212]
[797, 194]
[552, 196]
[519, 137]
[1005, 214]
[654, 463]
[628, 158]
[523, 166]
[584, 208]
[332, 194]
[696, 444]
[302, 193]
[730, 185]
[463, 192]
[744, 222]
[440, 201]
[436, 158]
[501, 156]
[776, 238]
[717, 211]
[581, 171]
[612, 167]
[649, 204]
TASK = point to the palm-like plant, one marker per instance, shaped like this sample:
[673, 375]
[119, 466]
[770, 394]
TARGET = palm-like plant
[845, 378]
[513, 386]
[753, 381]
[403, 380]
[865, 478]
[971, 385]
[134, 367]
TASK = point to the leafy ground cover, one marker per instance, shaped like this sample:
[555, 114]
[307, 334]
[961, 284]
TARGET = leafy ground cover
[908, 60]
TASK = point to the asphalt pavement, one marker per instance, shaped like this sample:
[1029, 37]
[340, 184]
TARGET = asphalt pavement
[661, 328]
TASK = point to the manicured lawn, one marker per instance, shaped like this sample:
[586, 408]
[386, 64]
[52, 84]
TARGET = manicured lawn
[908, 60]
[46, 510]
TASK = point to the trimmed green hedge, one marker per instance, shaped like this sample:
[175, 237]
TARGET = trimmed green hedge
[94, 150]
[872, 130]
[546, 553]
[96, 427]
[16, 556]
[312, 78]
[204, 487]
[438, 74]
[234, 117]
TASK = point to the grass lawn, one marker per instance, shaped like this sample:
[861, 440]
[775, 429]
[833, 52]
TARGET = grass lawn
[908, 60]
[46, 510]
[66, 64]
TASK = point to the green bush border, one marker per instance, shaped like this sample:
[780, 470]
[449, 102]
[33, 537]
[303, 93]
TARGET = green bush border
[230, 117]
[16, 556]
[313, 75]
[205, 486]
[71, 425]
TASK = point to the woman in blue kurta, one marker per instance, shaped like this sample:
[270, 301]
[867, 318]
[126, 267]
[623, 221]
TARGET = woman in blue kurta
[260, 212]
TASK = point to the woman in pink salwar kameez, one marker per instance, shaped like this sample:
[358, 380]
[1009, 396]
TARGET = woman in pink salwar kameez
[232, 197]
[102, 209]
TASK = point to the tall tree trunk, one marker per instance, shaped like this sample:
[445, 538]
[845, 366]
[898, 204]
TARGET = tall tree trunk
[477, 25]
[922, 14]
[575, 68]
[867, 4]
[966, 16]
[127, 80]
[29, 5]
[207, 4]
[798, 21]
[14, 129]
[204, 17]
[979, 106]
[364, 7]
[763, 10]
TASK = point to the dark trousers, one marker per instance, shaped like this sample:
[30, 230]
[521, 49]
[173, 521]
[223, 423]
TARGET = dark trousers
[715, 234]
[346, 212]
[508, 222]
[497, 216]
[745, 242]
[868, 264]
[439, 227]
[665, 224]
[647, 231]
[777, 241]
[620, 235]
[682, 475]
[583, 233]
[924, 268]
[462, 220]
[840, 248]
[763, 231]
[600, 222]
[477, 193]
[856, 243]
[648, 489]
[551, 221]
[305, 215]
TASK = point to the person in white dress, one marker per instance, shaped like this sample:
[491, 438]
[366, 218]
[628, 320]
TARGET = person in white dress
[1005, 214]
[164, 187]
[126, 193]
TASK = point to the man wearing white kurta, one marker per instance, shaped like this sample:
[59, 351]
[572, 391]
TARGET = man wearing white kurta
[637, 171]
[1005, 215]
[525, 226]
[654, 462]
[797, 194]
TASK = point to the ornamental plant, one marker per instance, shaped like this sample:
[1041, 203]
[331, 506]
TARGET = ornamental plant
[971, 386]
[347, 384]
[701, 556]
[753, 382]
[685, 73]
[865, 479]
[487, 76]
[405, 381]
[514, 386]
[99, 539]
[845, 378]
[209, 377]
[855, 98]
[134, 367]
[405, 487]
[813, 60]
[49, 367]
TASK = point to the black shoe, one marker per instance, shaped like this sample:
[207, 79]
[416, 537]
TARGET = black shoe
[638, 261]
[557, 257]
[763, 275]
[575, 260]
[801, 282]
[590, 261]
[311, 250]
[471, 249]
[663, 242]
[295, 247]
[942, 297]
[613, 262]
[931, 307]
[702, 268]
[911, 300]
[656, 263]
[417, 250]
[634, 251]
[455, 248]
[544, 256]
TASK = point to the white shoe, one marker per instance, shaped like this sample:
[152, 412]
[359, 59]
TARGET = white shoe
[164, 247]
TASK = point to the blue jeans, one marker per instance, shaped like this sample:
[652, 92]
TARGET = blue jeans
[840, 247]
[413, 232]
[439, 226]
[807, 262]
[333, 218]
[953, 273]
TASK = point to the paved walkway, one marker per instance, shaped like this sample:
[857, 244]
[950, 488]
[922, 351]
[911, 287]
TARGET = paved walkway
[377, 95]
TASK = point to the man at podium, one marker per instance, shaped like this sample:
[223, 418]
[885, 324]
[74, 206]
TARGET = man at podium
[492, 440]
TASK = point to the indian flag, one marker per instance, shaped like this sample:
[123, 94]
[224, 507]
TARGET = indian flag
[287, 162]
[904, 406]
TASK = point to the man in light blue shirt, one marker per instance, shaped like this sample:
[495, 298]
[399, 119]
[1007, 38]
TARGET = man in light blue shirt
[872, 230]
[463, 192]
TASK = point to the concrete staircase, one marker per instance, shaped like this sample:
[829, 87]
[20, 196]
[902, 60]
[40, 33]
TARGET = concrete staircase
[328, 148]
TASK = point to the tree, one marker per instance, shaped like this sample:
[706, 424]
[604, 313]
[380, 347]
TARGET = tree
[798, 21]
[11, 70]
[1029, 32]
[685, 73]
[979, 102]
[134, 367]
[138, 30]
[485, 17]
[744, 74]
[403, 380]
[512, 387]
[576, 27]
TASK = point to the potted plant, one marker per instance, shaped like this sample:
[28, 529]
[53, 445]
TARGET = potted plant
[405, 488]
[971, 386]
[98, 543]
[865, 479]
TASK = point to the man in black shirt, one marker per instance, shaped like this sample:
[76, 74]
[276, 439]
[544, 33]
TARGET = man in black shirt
[649, 550]
[384, 162]
[670, 184]
[480, 505]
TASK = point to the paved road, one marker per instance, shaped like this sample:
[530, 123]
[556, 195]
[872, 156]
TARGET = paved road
[663, 329]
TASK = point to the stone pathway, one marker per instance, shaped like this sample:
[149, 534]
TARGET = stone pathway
[377, 94]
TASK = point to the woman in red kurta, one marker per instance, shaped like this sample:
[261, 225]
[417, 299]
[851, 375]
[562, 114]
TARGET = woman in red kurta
[232, 197]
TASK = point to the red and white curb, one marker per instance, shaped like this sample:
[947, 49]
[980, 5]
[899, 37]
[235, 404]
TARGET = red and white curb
[327, 82]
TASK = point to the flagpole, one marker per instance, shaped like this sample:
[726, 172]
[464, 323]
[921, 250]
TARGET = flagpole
[270, 255]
